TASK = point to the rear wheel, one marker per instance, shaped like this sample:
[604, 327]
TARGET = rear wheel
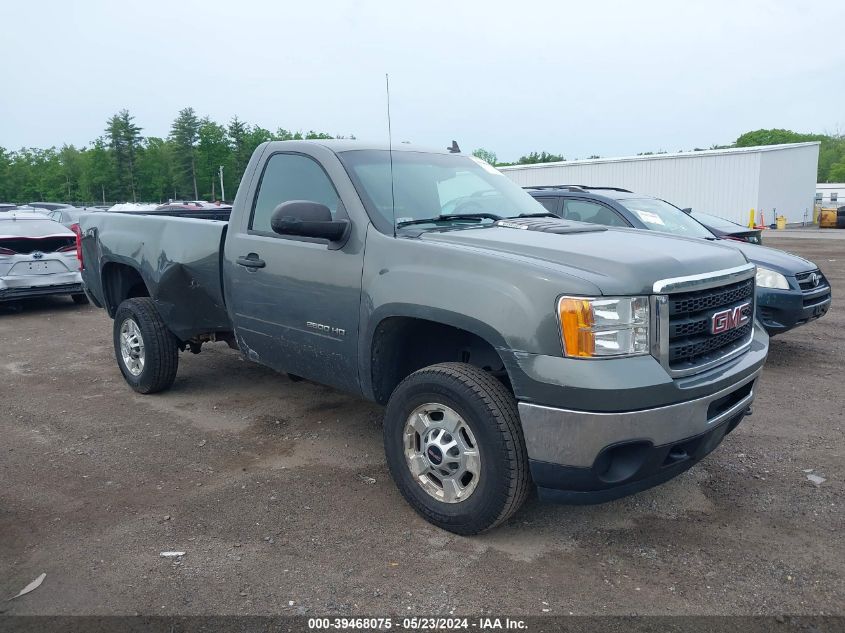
[455, 448]
[79, 299]
[147, 352]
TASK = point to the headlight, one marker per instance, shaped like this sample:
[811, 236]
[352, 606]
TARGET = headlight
[601, 327]
[770, 279]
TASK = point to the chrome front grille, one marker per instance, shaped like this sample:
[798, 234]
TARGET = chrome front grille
[684, 341]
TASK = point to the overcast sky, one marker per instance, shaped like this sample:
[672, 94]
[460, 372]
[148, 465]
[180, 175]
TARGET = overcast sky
[577, 78]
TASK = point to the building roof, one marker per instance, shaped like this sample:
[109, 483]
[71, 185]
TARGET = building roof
[690, 154]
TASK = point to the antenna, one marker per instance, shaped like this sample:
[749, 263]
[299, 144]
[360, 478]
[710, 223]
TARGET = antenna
[390, 152]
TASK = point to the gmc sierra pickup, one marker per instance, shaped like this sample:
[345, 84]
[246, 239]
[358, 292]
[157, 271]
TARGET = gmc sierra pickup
[509, 347]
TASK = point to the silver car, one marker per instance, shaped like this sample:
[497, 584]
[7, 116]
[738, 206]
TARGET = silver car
[38, 257]
[68, 216]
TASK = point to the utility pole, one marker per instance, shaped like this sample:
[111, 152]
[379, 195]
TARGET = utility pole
[222, 191]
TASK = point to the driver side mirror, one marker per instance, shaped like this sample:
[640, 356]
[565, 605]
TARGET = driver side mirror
[688, 210]
[304, 218]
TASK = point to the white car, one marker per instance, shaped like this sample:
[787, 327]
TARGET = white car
[38, 257]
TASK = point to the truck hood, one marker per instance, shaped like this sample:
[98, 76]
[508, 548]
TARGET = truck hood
[616, 261]
[772, 258]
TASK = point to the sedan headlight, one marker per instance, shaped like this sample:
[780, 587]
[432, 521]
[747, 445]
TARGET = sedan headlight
[770, 279]
[600, 327]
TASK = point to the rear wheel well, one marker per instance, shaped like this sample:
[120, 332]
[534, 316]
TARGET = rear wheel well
[402, 345]
[121, 282]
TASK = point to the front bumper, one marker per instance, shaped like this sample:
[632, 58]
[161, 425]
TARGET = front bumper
[585, 457]
[592, 456]
[630, 469]
[27, 286]
[782, 310]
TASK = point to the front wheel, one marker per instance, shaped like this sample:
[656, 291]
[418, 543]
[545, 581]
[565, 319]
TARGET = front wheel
[147, 352]
[455, 448]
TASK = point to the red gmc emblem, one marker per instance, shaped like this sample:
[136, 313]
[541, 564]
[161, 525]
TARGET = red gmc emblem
[729, 319]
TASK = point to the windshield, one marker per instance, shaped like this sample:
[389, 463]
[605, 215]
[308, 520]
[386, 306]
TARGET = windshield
[659, 215]
[426, 186]
[719, 223]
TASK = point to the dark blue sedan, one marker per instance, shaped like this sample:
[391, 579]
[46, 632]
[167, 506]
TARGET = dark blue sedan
[791, 291]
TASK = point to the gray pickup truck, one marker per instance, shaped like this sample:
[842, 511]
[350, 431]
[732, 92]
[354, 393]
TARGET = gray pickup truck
[509, 347]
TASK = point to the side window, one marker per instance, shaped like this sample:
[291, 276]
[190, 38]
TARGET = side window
[56, 215]
[291, 177]
[586, 211]
[549, 203]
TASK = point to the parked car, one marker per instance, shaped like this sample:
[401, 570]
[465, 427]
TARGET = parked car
[726, 229]
[596, 363]
[38, 257]
[50, 206]
[791, 290]
[70, 215]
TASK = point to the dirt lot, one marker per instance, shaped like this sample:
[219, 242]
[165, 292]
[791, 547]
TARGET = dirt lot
[262, 482]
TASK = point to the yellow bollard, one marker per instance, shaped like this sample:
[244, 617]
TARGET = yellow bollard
[781, 222]
[751, 223]
[817, 209]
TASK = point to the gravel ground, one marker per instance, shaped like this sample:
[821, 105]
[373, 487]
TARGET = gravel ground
[264, 483]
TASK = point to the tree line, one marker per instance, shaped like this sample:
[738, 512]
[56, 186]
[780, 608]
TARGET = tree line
[831, 166]
[122, 165]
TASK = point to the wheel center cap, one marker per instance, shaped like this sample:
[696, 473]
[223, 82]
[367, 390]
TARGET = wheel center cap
[435, 455]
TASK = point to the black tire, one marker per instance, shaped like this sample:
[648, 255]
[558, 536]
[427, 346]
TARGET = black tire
[80, 299]
[490, 410]
[161, 349]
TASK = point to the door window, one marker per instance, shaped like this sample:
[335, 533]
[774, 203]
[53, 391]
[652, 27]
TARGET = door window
[291, 177]
[592, 212]
[549, 203]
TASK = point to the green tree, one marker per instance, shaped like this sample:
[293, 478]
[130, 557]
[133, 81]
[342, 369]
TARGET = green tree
[542, 157]
[156, 170]
[96, 180]
[775, 136]
[837, 172]
[239, 144]
[5, 166]
[123, 138]
[831, 150]
[485, 155]
[212, 151]
[184, 134]
[71, 162]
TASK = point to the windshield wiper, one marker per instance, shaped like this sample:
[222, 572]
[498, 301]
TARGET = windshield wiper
[449, 217]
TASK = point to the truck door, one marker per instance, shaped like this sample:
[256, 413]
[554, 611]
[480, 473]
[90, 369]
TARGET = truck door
[295, 301]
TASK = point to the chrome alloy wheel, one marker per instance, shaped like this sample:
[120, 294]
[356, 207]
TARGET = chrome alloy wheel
[132, 347]
[441, 453]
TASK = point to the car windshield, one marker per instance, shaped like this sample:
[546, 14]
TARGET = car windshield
[428, 186]
[659, 215]
[715, 221]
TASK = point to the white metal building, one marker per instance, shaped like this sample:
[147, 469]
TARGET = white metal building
[779, 179]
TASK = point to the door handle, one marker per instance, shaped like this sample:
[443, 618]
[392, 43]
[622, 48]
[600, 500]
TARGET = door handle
[251, 261]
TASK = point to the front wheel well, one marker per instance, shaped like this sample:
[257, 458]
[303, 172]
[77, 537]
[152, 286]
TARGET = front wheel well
[402, 345]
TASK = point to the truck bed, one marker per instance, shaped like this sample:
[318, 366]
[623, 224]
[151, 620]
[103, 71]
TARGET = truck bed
[178, 260]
